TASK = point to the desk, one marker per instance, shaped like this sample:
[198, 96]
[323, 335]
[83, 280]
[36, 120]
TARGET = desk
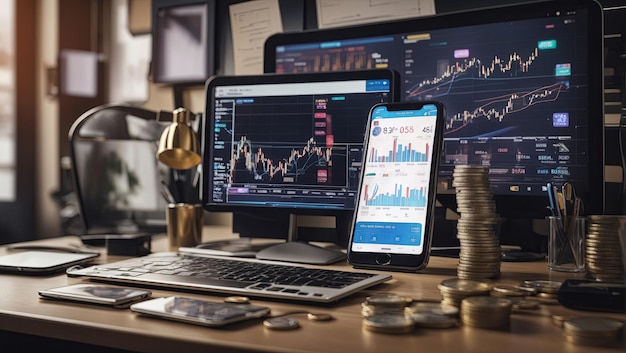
[22, 312]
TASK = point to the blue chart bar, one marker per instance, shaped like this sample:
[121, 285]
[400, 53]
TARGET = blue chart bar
[407, 198]
[400, 153]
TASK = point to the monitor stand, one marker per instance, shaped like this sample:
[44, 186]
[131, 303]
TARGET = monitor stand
[299, 252]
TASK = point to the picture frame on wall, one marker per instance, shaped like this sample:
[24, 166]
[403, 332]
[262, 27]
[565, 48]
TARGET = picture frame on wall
[183, 43]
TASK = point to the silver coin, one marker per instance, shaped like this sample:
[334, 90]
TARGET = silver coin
[281, 323]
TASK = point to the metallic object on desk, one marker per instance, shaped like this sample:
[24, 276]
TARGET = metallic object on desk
[388, 323]
[486, 312]
[592, 331]
[604, 255]
[178, 146]
[384, 303]
[480, 255]
[281, 323]
[454, 290]
[184, 225]
[433, 315]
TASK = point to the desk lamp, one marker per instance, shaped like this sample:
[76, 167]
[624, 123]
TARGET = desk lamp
[179, 149]
[178, 146]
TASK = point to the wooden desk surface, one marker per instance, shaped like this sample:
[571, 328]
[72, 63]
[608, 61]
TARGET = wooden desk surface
[22, 311]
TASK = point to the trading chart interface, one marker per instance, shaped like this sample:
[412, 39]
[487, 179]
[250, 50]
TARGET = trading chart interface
[516, 93]
[291, 144]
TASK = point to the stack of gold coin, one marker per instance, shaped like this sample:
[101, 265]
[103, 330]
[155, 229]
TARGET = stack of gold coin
[454, 290]
[486, 312]
[592, 331]
[433, 315]
[512, 292]
[384, 303]
[386, 323]
[545, 290]
[480, 254]
[603, 250]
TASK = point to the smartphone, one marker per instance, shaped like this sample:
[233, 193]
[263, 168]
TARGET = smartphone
[393, 221]
[200, 312]
[119, 297]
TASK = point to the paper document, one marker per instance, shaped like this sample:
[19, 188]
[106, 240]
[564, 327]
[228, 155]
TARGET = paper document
[336, 13]
[252, 22]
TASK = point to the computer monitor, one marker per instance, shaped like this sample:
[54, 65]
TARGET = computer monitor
[275, 146]
[117, 178]
[522, 86]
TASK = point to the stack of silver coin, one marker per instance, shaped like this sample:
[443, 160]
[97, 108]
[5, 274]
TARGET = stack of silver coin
[454, 290]
[592, 331]
[480, 254]
[603, 250]
[486, 312]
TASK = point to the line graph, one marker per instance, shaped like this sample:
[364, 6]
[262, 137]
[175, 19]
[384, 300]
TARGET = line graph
[468, 86]
[453, 72]
[497, 108]
[251, 162]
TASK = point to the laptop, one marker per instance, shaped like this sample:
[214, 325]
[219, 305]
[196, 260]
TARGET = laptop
[234, 276]
[196, 270]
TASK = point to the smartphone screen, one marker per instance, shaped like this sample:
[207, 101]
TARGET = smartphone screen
[97, 294]
[197, 311]
[392, 225]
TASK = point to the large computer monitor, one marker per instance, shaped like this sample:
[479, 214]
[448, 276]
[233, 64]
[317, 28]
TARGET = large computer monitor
[276, 146]
[522, 86]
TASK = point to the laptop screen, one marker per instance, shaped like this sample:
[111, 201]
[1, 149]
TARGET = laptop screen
[288, 141]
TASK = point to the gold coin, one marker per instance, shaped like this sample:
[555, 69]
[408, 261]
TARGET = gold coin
[319, 317]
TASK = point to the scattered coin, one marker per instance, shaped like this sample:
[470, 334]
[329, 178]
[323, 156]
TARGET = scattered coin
[319, 317]
[237, 300]
[281, 323]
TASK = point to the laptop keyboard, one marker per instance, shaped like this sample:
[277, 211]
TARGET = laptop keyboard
[234, 276]
[261, 274]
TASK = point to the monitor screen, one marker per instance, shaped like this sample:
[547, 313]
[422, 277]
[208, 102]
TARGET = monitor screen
[281, 145]
[288, 141]
[522, 88]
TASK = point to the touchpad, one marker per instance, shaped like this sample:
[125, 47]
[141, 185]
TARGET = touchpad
[383, 259]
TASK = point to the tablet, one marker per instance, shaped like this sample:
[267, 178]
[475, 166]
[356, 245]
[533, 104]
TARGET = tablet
[42, 262]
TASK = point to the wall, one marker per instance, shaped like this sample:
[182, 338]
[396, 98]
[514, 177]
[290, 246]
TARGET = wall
[47, 120]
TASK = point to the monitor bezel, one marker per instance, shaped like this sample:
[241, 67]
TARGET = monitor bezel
[207, 137]
[509, 206]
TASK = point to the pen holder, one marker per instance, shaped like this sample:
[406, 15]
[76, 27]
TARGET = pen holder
[566, 245]
[184, 225]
